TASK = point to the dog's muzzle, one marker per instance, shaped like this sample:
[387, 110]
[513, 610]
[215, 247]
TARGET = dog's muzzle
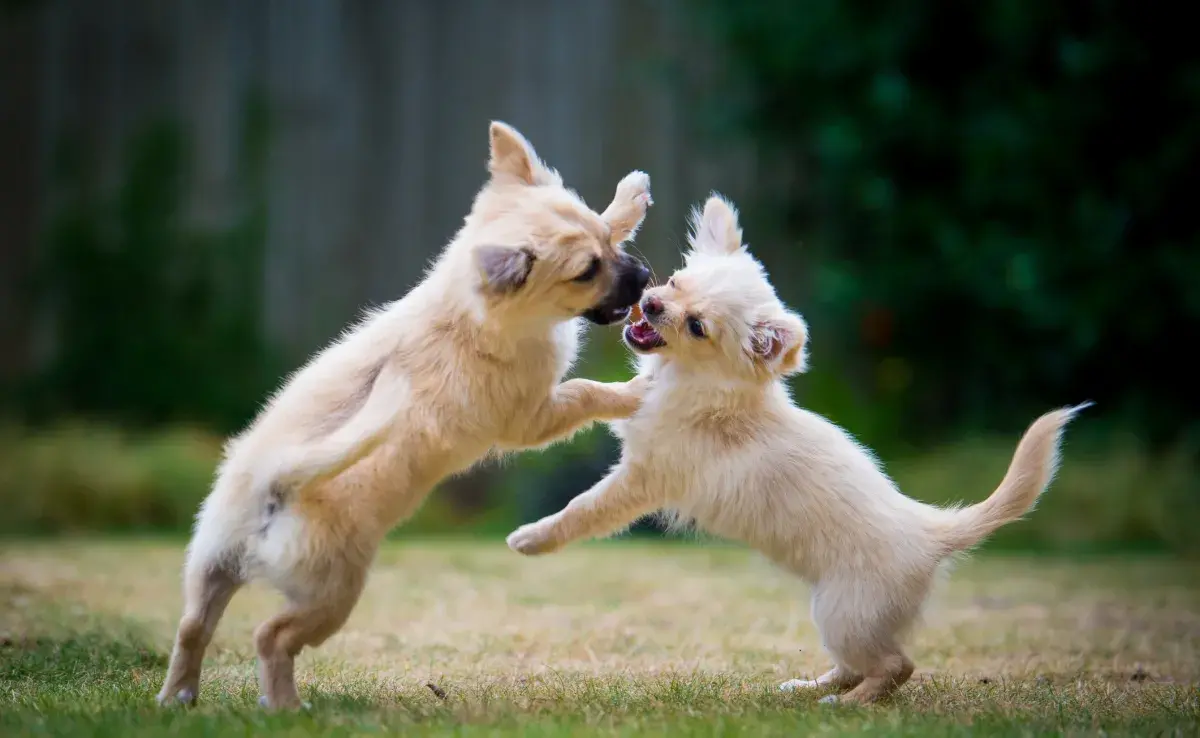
[632, 276]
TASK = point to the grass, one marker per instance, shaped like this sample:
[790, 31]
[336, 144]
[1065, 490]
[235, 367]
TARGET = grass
[617, 638]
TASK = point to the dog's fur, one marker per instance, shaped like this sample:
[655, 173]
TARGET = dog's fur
[719, 443]
[468, 363]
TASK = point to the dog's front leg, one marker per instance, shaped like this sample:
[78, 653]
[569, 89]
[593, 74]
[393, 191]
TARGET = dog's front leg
[578, 402]
[612, 505]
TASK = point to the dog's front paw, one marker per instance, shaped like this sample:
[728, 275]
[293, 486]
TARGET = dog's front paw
[534, 538]
[637, 387]
[636, 187]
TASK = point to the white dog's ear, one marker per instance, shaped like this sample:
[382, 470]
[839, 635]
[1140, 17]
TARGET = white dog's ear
[625, 213]
[780, 341]
[504, 268]
[715, 230]
[513, 158]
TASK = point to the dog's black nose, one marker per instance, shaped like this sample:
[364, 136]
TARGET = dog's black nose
[652, 306]
[643, 275]
[634, 271]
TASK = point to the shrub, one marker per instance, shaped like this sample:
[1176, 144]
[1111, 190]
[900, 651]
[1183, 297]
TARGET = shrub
[83, 478]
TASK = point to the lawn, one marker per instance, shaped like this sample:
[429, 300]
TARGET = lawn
[612, 638]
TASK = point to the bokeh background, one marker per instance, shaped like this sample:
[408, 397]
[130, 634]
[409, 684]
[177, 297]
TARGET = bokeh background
[984, 210]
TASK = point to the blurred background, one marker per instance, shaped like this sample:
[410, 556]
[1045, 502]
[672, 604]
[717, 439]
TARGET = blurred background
[985, 210]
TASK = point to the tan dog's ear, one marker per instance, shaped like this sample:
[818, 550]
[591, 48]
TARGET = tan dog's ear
[715, 230]
[513, 158]
[779, 341]
[625, 213]
[504, 268]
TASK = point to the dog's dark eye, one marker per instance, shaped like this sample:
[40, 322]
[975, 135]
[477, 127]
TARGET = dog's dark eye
[671, 283]
[695, 327]
[590, 273]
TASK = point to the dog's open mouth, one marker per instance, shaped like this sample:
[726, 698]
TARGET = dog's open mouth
[642, 336]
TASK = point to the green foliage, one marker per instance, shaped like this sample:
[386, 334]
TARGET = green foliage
[89, 478]
[995, 198]
[86, 478]
[154, 320]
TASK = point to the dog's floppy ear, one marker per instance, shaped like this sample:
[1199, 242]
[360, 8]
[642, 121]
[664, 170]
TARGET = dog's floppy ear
[625, 213]
[513, 158]
[779, 342]
[715, 230]
[504, 268]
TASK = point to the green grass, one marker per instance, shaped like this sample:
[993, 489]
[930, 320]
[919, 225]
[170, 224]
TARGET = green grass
[619, 638]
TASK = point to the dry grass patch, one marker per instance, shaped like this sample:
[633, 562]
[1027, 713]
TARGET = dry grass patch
[622, 637]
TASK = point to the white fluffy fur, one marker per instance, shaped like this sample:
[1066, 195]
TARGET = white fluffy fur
[719, 443]
[469, 362]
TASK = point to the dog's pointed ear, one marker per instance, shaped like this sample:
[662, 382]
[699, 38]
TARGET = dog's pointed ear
[513, 158]
[780, 342]
[504, 268]
[715, 230]
[628, 209]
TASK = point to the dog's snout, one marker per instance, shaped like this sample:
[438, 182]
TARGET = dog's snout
[631, 278]
[642, 275]
[652, 306]
[635, 271]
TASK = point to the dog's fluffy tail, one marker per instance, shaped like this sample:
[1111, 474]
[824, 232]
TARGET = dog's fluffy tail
[332, 454]
[1030, 472]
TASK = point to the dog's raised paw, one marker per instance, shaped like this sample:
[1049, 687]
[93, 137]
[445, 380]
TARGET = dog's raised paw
[636, 186]
[530, 539]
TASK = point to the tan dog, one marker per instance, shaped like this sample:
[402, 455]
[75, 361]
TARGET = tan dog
[468, 363]
[719, 443]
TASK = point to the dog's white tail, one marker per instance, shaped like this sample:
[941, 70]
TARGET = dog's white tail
[354, 440]
[1030, 472]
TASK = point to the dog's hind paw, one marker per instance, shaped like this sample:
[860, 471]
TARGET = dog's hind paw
[796, 685]
[182, 697]
[265, 704]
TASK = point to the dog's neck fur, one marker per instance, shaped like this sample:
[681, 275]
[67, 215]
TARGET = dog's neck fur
[680, 384]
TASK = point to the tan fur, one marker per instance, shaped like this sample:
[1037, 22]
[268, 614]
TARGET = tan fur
[470, 362]
[719, 443]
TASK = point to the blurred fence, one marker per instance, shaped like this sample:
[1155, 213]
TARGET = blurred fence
[377, 116]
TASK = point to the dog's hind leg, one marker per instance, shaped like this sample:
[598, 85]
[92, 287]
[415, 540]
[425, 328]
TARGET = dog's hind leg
[307, 623]
[860, 622]
[208, 586]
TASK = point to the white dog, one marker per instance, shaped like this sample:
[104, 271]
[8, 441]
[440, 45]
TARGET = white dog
[719, 443]
[468, 363]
